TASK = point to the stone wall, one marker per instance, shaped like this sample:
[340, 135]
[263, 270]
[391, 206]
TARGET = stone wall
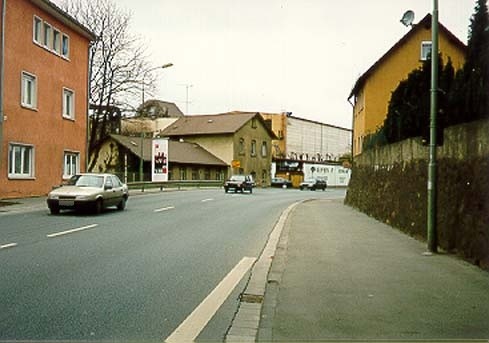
[390, 184]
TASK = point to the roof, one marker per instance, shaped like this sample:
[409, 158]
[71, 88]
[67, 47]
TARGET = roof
[179, 152]
[160, 109]
[424, 23]
[65, 18]
[215, 124]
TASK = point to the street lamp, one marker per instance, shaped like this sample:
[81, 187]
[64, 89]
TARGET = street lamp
[141, 160]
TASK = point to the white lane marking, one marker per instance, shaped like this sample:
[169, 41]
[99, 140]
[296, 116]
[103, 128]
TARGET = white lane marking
[198, 319]
[164, 209]
[206, 200]
[56, 234]
[6, 246]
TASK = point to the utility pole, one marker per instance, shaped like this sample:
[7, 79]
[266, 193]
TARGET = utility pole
[432, 172]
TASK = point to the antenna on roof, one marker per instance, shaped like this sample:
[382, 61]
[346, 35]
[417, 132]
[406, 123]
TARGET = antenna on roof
[408, 18]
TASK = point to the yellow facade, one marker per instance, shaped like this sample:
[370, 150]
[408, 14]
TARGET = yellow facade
[372, 98]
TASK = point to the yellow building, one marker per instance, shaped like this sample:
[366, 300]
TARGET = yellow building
[372, 91]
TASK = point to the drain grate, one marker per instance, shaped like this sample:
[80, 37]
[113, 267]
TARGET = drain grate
[252, 298]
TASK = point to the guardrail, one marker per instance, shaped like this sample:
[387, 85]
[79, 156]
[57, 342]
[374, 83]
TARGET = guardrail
[179, 184]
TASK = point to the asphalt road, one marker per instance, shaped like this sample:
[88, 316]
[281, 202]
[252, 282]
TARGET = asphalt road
[133, 275]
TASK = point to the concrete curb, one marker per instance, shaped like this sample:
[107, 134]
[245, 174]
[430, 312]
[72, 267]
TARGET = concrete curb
[246, 322]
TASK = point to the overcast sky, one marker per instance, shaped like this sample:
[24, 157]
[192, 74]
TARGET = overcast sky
[301, 56]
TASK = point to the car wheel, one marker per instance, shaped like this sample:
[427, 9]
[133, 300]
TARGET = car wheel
[225, 190]
[54, 210]
[122, 204]
[99, 205]
[251, 190]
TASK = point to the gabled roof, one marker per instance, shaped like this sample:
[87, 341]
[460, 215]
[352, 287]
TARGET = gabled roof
[65, 18]
[215, 124]
[425, 23]
[179, 152]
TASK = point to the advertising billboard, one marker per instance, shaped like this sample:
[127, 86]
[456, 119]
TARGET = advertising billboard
[159, 163]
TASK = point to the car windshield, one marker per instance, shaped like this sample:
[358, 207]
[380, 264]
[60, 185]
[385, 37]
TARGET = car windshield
[86, 181]
[238, 178]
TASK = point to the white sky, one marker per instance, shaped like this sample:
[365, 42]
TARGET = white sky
[301, 56]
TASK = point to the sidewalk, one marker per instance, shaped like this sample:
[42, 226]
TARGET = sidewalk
[340, 275]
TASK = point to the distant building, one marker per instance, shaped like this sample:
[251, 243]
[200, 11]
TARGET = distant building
[153, 117]
[302, 142]
[243, 141]
[307, 140]
[43, 97]
[372, 91]
[121, 155]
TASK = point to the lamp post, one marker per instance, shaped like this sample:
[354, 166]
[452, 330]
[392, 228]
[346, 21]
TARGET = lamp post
[141, 159]
[432, 184]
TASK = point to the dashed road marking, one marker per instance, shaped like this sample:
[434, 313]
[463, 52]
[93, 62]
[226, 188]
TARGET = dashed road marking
[164, 209]
[207, 200]
[67, 232]
[9, 245]
[198, 319]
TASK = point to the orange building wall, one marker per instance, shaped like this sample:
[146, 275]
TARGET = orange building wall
[371, 112]
[44, 128]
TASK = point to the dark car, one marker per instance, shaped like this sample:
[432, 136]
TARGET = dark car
[239, 183]
[281, 182]
[313, 184]
[89, 191]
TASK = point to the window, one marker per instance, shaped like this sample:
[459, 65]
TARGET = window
[183, 174]
[29, 90]
[37, 32]
[68, 103]
[65, 46]
[108, 183]
[71, 164]
[207, 174]
[20, 161]
[47, 35]
[241, 146]
[425, 50]
[264, 149]
[253, 148]
[195, 174]
[253, 123]
[57, 41]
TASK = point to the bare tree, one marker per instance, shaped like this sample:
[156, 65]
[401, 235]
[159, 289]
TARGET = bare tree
[118, 68]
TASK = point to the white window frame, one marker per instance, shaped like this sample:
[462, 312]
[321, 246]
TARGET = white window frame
[424, 52]
[56, 45]
[28, 81]
[12, 161]
[47, 35]
[264, 149]
[70, 168]
[37, 31]
[68, 103]
[253, 147]
[65, 51]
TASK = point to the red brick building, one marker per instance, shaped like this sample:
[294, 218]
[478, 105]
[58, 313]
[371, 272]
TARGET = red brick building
[44, 59]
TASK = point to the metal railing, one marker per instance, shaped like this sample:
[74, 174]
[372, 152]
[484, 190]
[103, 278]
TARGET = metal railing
[175, 184]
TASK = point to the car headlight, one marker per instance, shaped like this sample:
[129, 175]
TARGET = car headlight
[53, 197]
